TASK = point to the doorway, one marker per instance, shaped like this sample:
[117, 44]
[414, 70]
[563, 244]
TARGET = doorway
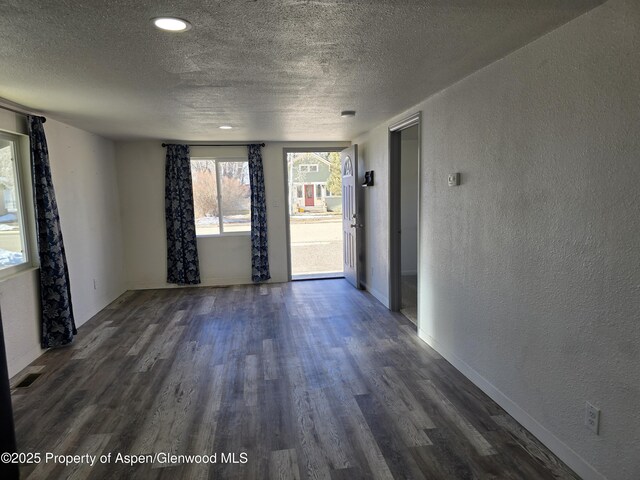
[314, 192]
[404, 194]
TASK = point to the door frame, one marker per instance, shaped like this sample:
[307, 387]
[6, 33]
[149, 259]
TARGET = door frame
[395, 243]
[334, 148]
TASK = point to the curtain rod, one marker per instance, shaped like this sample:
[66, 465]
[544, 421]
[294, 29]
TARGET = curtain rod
[219, 144]
[20, 112]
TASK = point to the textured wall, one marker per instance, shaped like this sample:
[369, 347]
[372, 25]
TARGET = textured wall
[530, 275]
[224, 260]
[20, 306]
[374, 155]
[84, 176]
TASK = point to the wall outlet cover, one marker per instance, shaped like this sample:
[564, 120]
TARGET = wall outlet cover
[592, 417]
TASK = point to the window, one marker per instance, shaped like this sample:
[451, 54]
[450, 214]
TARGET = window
[307, 168]
[299, 191]
[13, 236]
[221, 196]
[318, 191]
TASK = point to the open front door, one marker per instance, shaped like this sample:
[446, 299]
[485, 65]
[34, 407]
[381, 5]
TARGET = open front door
[351, 223]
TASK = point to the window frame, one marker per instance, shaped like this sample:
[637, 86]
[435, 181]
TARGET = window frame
[216, 161]
[24, 203]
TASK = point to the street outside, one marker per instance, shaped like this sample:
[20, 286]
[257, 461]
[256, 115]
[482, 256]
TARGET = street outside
[316, 244]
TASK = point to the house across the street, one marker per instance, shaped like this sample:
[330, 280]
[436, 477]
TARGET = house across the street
[309, 173]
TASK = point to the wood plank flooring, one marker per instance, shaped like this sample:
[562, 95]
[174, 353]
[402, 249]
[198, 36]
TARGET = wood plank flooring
[309, 380]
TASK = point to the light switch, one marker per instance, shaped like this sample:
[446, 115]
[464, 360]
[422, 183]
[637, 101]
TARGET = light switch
[454, 179]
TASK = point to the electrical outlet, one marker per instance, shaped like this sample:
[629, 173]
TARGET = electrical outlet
[592, 417]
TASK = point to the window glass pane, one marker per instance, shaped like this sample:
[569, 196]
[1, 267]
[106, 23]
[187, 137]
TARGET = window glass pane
[236, 196]
[205, 196]
[12, 241]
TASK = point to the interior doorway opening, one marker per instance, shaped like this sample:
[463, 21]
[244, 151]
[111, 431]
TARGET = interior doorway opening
[409, 223]
[315, 214]
[404, 184]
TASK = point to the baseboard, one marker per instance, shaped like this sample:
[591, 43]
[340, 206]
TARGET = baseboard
[103, 303]
[383, 299]
[553, 443]
[205, 282]
[24, 360]
[18, 364]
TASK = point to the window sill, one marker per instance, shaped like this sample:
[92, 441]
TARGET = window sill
[16, 273]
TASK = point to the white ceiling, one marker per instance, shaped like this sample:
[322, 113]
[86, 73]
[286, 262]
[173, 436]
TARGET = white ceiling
[275, 70]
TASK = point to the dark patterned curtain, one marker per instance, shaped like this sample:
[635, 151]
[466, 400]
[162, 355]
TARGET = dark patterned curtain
[58, 325]
[259, 249]
[182, 248]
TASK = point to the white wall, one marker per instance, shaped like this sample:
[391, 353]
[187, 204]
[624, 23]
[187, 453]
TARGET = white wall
[83, 170]
[224, 260]
[373, 155]
[530, 274]
[409, 200]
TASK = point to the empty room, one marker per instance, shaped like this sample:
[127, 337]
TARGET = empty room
[300, 239]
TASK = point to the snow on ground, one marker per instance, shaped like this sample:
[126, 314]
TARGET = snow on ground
[8, 258]
[8, 218]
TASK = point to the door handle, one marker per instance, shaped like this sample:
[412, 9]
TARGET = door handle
[357, 225]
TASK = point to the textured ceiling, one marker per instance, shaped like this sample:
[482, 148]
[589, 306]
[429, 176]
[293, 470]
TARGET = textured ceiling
[275, 70]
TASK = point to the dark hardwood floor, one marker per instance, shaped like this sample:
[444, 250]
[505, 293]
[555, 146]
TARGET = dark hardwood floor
[311, 380]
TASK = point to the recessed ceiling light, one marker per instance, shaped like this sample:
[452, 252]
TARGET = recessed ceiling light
[348, 113]
[171, 24]
[225, 127]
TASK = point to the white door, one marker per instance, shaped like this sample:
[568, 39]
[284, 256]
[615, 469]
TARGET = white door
[351, 223]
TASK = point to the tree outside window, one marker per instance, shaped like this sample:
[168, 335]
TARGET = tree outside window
[221, 196]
